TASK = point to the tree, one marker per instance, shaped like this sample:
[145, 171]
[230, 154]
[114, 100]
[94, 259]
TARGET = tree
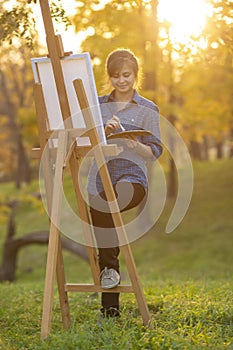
[12, 244]
[18, 38]
[17, 19]
[219, 28]
[205, 86]
[108, 25]
[16, 93]
[219, 34]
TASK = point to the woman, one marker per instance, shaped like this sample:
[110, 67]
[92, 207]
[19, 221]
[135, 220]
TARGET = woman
[122, 109]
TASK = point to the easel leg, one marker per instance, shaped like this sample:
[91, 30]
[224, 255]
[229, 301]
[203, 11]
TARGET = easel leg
[63, 296]
[49, 281]
[54, 237]
[132, 270]
[110, 194]
[83, 212]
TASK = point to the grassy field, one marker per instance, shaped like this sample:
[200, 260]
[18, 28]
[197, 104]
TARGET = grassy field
[187, 277]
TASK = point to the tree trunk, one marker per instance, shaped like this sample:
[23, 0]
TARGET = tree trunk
[7, 271]
[23, 168]
[172, 119]
[13, 245]
[205, 149]
[231, 144]
[155, 57]
[172, 188]
[195, 150]
[219, 149]
[9, 260]
[172, 178]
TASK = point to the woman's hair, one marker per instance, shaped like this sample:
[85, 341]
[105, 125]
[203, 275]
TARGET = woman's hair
[116, 59]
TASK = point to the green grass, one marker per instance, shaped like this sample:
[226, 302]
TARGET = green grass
[187, 277]
[185, 315]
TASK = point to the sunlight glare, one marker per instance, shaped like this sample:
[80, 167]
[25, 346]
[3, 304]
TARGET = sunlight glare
[70, 39]
[186, 17]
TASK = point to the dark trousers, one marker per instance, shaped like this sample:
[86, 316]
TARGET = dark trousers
[128, 195]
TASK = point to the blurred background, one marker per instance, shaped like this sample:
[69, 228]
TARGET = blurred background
[185, 50]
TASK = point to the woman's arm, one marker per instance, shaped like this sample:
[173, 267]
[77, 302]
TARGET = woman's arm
[143, 150]
[132, 142]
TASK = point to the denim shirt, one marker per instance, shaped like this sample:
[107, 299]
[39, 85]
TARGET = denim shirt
[128, 166]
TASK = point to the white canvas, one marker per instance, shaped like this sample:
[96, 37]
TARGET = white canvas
[76, 66]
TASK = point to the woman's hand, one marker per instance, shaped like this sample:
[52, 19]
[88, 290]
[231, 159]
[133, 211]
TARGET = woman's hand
[111, 125]
[131, 142]
[144, 150]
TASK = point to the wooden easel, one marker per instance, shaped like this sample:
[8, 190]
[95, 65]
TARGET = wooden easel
[67, 151]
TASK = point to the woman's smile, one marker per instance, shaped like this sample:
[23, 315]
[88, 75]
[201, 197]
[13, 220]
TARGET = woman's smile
[124, 80]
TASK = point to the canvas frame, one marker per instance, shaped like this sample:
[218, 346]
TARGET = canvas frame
[74, 66]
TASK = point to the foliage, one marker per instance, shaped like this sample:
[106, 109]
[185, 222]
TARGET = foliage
[18, 21]
[6, 154]
[24, 201]
[201, 113]
[219, 27]
[202, 107]
[18, 122]
[173, 72]
[108, 24]
[205, 84]
[28, 127]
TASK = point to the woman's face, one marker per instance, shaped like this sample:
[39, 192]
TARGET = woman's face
[123, 80]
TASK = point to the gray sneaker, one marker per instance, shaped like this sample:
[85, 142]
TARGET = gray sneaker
[109, 278]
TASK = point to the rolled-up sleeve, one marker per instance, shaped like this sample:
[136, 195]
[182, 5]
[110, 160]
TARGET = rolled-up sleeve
[152, 124]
